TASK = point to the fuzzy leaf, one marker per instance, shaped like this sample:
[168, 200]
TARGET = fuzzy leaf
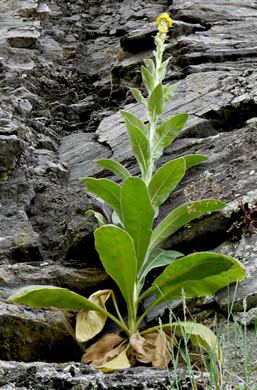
[200, 335]
[168, 92]
[50, 296]
[158, 258]
[138, 95]
[194, 159]
[106, 190]
[182, 215]
[117, 253]
[137, 122]
[150, 65]
[148, 79]
[165, 180]
[115, 167]
[138, 215]
[139, 144]
[155, 103]
[167, 132]
[198, 274]
[90, 322]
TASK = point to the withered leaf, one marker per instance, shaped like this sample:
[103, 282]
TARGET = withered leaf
[90, 323]
[96, 351]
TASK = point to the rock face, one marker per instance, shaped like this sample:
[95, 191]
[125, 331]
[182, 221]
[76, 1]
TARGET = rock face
[65, 70]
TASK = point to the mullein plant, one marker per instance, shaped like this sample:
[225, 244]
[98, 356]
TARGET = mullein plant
[129, 247]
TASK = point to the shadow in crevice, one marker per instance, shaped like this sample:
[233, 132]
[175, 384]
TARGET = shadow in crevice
[230, 118]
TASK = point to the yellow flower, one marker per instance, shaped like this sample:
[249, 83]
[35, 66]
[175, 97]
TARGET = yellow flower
[162, 29]
[164, 18]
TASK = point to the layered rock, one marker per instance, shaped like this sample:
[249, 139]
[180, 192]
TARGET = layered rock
[65, 70]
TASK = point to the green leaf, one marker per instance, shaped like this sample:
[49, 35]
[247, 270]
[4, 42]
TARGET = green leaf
[200, 336]
[135, 121]
[165, 180]
[115, 167]
[182, 215]
[150, 65]
[138, 215]
[140, 146]
[198, 274]
[167, 132]
[98, 216]
[155, 103]
[50, 296]
[168, 92]
[162, 71]
[194, 159]
[138, 95]
[158, 258]
[117, 253]
[106, 190]
[148, 79]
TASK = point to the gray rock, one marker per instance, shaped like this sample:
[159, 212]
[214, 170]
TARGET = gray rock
[77, 376]
[65, 71]
[10, 149]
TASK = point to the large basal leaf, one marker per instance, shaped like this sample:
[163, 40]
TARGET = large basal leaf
[166, 133]
[50, 296]
[165, 180]
[106, 190]
[139, 144]
[158, 258]
[90, 322]
[200, 336]
[138, 215]
[115, 167]
[138, 95]
[117, 253]
[155, 103]
[198, 274]
[135, 121]
[148, 79]
[182, 215]
[194, 159]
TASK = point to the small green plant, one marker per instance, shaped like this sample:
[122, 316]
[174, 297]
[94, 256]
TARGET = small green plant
[129, 247]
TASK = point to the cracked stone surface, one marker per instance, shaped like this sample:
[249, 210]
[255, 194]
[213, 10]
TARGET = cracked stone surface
[65, 71]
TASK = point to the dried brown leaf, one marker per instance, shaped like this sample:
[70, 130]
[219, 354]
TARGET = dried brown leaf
[90, 323]
[162, 348]
[119, 362]
[96, 351]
